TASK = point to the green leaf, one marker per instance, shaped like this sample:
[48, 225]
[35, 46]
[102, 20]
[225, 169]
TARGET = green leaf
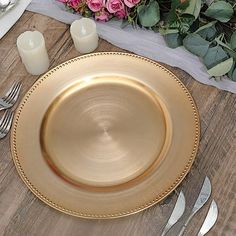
[209, 25]
[176, 6]
[193, 8]
[168, 31]
[149, 15]
[232, 72]
[173, 40]
[196, 44]
[180, 5]
[208, 33]
[234, 75]
[214, 56]
[185, 23]
[233, 41]
[231, 53]
[222, 68]
[220, 10]
[174, 25]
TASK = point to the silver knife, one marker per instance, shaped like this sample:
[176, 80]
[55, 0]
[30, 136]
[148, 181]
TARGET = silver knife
[203, 196]
[176, 213]
[210, 219]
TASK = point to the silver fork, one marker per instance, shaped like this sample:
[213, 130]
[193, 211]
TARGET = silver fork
[5, 123]
[11, 96]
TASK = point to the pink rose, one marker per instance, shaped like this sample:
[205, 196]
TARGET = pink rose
[131, 3]
[103, 15]
[73, 3]
[121, 14]
[95, 5]
[114, 6]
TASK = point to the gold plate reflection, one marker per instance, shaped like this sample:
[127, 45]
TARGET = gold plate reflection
[105, 135]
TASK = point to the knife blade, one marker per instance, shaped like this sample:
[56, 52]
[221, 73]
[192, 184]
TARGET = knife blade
[203, 196]
[210, 219]
[176, 213]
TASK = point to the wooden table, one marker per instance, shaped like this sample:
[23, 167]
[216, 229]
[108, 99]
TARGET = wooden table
[21, 213]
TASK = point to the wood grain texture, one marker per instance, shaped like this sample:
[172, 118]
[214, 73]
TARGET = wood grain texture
[21, 213]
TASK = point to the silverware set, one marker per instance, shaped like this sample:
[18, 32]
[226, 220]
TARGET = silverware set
[179, 209]
[6, 5]
[7, 102]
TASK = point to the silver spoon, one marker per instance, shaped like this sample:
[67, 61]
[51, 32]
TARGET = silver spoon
[4, 4]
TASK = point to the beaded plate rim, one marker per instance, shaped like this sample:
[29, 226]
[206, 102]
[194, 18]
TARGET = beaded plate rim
[159, 197]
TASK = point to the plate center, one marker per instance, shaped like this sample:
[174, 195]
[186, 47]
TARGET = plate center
[104, 132]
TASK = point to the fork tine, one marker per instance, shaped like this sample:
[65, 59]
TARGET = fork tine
[11, 98]
[15, 95]
[17, 92]
[8, 93]
[9, 122]
[4, 120]
[6, 125]
[3, 117]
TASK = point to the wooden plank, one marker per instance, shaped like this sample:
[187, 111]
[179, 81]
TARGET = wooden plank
[21, 213]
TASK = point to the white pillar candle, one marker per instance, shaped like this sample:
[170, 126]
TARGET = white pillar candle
[84, 35]
[32, 50]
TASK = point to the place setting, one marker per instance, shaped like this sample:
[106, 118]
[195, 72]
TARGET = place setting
[103, 142]
[104, 135]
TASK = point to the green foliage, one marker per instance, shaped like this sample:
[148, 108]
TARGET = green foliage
[208, 33]
[233, 77]
[193, 8]
[173, 40]
[221, 68]
[177, 7]
[196, 44]
[214, 56]
[220, 10]
[232, 72]
[206, 30]
[233, 41]
[149, 15]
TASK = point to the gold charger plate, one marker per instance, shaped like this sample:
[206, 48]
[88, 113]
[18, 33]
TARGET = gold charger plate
[105, 135]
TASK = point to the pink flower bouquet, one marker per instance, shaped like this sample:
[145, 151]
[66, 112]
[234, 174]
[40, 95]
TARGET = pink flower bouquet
[102, 10]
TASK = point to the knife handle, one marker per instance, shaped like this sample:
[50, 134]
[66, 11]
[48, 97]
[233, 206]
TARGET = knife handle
[181, 232]
[185, 225]
[200, 234]
[166, 229]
